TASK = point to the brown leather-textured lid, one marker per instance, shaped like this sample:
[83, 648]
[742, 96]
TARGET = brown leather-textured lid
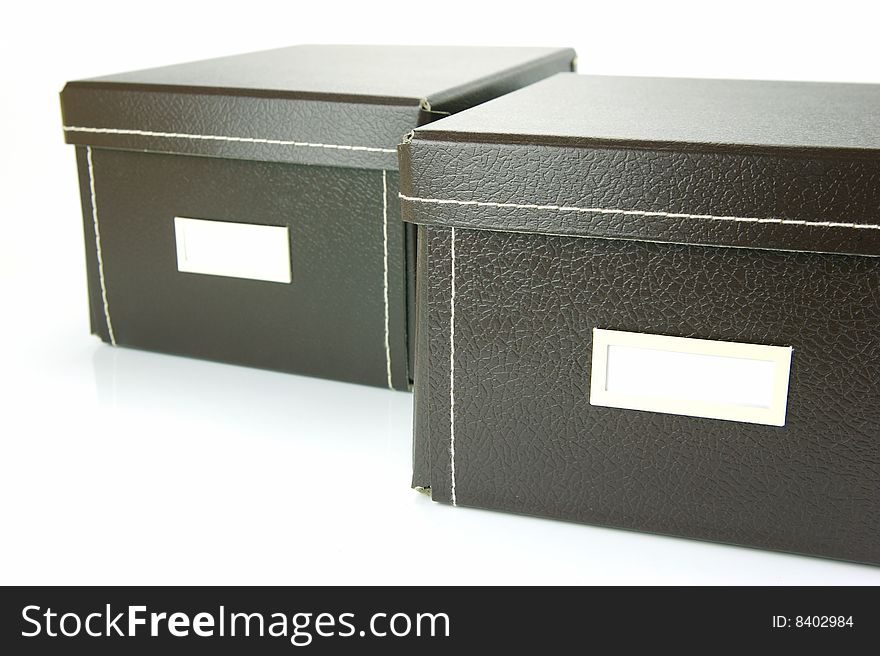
[313, 104]
[777, 165]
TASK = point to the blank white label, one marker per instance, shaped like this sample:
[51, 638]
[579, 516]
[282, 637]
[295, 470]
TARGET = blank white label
[692, 377]
[237, 250]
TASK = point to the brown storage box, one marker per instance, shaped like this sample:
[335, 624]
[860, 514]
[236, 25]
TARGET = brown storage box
[244, 209]
[655, 304]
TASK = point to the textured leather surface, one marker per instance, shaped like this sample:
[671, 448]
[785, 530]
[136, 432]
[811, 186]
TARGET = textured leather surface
[527, 439]
[363, 98]
[729, 195]
[328, 322]
[307, 121]
[758, 115]
[421, 333]
[528, 296]
[795, 190]
[97, 322]
[375, 73]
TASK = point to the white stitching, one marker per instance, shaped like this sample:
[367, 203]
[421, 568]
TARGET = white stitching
[425, 106]
[214, 137]
[452, 372]
[385, 279]
[91, 170]
[669, 215]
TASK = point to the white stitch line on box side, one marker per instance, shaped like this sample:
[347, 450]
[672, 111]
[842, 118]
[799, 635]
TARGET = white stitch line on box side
[452, 371]
[93, 201]
[385, 279]
[668, 215]
[215, 137]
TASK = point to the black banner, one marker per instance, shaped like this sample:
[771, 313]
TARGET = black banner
[421, 621]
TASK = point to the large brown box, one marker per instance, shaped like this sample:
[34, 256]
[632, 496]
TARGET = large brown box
[655, 304]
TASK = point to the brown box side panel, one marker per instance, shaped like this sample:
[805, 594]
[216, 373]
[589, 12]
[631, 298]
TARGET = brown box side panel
[527, 440]
[330, 321]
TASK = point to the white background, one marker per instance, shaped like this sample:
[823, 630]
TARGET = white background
[122, 467]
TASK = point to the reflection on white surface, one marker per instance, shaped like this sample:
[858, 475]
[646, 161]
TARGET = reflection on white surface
[247, 402]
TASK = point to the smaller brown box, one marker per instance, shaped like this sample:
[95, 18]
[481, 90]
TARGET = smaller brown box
[654, 304]
[244, 209]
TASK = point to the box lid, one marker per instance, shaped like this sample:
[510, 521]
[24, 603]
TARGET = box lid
[776, 165]
[311, 104]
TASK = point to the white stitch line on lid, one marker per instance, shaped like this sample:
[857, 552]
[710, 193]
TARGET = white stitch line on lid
[385, 279]
[215, 137]
[669, 215]
[91, 170]
[452, 372]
